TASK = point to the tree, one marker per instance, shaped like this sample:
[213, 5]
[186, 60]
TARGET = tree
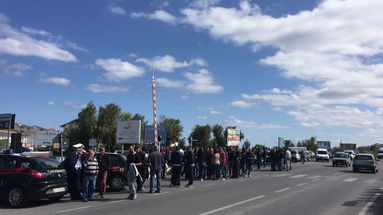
[309, 144]
[174, 129]
[288, 143]
[218, 136]
[246, 144]
[87, 124]
[107, 125]
[202, 135]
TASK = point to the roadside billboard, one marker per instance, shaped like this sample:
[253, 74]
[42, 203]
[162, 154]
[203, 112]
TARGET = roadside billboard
[233, 137]
[45, 138]
[324, 145]
[7, 121]
[128, 132]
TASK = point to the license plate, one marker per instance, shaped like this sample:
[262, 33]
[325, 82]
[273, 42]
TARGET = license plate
[60, 189]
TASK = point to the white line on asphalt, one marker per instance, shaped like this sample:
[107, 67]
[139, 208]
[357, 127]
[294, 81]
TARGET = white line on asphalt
[111, 202]
[188, 188]
[298, 185]
[369, 181]
[157, 194]
[350, 179]
[208, 185]
[338, 173]
[278, 191]
[368, 205]
[315, 180]
[281, 175]
[233, 205]
[297, 176]
[315, 177]
[73, 209]
[381, 188]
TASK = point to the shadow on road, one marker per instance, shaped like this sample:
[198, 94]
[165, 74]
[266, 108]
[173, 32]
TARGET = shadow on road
[373, 197]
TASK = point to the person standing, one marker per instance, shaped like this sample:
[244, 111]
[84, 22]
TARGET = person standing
[264, 157]
[133, 174]
[223, 163]
[176, 163]
[73, 165]
[189, 165]
[235, 171]
[258, 154]
[103, 165]
[156, 161]
[201, 160]
[216, 163]
[303, 156]
[249, 157]
[210, 168]
[288, 160]
[230, 161]
[90, 175]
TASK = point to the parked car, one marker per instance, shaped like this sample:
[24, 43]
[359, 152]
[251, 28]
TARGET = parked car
[295, 156]
[322, 154]
[364, 162]
[116, 179]
[341, 159]
[380, 154]
[29, 177]
[351, 153]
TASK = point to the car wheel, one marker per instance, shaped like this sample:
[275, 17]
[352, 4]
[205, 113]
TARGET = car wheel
[117, 183]
[55, 199]
[16, 197]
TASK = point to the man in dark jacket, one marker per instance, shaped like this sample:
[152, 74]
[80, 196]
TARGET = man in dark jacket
[103, 164]
[189, 165]
[135, 158]
[156, 160]
[176, 163]
[74, 163]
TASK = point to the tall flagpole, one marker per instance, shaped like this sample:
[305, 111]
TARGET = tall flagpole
[154, 109]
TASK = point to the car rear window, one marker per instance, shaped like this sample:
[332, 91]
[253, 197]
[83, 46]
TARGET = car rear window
[322, 152]
[363, 157]
[340, 155]
[44, 163]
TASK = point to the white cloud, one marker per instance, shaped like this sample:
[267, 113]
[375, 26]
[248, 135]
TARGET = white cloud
[214, 112]
[14, 69]
[56, 80]
[51, 103]
[117, 10]
[202, 117]
[164, 82]
[36, 32]
[118, 70]
[74, 106]
[242, 104]
[168, 63]
[233, 121]
[204, 3]
[76, 47]
[17, 43]
[160, 15]
[96, 88]
[202, 82]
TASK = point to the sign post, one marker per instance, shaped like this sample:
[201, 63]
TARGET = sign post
[7, 121]
[128, 132]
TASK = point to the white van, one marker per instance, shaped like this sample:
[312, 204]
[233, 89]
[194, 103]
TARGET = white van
[322, 154]
[380, 154]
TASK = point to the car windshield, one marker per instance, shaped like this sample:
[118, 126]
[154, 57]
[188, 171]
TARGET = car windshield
[363, 157]
[322, 152]
[44, 163]
[340, 155]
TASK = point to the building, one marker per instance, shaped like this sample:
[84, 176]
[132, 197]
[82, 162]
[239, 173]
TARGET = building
[347, 146]
[324, 145]
[36, 136]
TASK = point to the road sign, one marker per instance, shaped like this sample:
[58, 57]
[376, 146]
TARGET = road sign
[92, 142]
[7, 121]
[128, 132]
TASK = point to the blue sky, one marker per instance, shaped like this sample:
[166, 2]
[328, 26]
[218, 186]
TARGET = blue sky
[290, 68]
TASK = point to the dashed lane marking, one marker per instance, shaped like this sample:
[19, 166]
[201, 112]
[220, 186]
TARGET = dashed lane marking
[314, 177]
[369, 181]
[122, 200]
[233, 205]
[301, 184]
[73, 209]
[281, 175]
[297, 176]
[279, 191]
[157, 194]
[350, 180]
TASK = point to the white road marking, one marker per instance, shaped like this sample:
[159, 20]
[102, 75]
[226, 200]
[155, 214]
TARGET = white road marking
[111, 202]
[208, 185]
[281, 175]
[299, 185]
[297, 176]
[369, 181]
[287, 188]
[315, 180]
[233, 205]
[315, 177]
[338, 173]
[73, 209]
[350, 179]
[368, 205]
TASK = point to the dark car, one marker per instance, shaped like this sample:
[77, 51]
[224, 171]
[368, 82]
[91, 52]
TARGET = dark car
[364, 162]
[30, 177]
[116, 179]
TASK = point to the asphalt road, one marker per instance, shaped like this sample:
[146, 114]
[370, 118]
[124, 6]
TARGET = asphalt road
[313, 188]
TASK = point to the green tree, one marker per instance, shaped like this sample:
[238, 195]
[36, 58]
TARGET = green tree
[174, 129]
[107, 125]
[246, 144]
[202, 135]
[309, 144]
[288, 143]
[218, 136]
[87, 124]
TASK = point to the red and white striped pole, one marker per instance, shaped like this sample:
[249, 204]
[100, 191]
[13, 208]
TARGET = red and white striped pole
[154, 110]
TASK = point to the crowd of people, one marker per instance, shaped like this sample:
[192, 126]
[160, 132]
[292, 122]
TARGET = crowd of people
[85, 170]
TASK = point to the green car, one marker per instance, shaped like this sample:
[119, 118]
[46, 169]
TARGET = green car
[341, 159]
[364, 162]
